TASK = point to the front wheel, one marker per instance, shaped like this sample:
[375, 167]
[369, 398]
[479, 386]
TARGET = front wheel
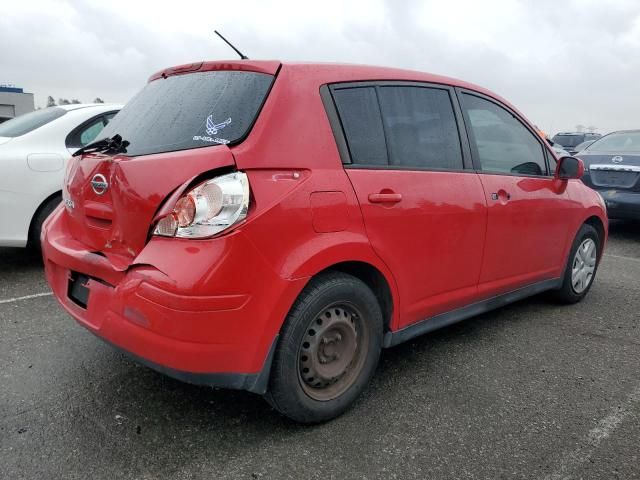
[328, 349]
[581, 267]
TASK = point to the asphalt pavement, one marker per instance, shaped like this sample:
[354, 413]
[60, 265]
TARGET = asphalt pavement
[533, 390]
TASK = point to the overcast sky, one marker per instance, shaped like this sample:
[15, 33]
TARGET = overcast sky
[562, 63]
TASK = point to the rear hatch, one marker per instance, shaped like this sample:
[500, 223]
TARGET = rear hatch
[610, 171]
[179, 127]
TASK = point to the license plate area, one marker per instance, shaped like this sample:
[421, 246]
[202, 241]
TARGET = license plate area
[77, 291]
[614, 178]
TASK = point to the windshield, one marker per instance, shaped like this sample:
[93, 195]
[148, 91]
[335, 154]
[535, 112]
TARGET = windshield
[30, 121]
[568, 140]
[584, 145]
[617, 143]
[190, 111]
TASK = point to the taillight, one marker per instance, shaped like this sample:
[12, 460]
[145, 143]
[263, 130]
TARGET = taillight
[208, 209]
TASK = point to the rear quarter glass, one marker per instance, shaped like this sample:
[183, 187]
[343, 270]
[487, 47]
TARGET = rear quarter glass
[188, 111]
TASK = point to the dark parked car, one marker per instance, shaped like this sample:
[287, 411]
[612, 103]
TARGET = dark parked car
[570, 140]
[612, 166]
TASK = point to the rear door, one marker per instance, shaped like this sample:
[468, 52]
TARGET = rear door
[528, 209]
[423, 205]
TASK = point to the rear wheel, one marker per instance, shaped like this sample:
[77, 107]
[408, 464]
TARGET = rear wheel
[42, 214]
[328, 349]
[581, 267]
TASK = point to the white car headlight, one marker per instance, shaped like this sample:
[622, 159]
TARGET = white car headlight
[208, 209]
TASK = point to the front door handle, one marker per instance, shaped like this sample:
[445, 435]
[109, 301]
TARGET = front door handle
[385, 197]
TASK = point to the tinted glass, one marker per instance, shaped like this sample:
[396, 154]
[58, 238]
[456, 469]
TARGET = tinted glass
[502, 143]
[583, 145]
[190, 111]
[90, 132]
[420, 127]
[30, 121]
[615, 143]
[360, 117]
[569, 140]
[108, 117]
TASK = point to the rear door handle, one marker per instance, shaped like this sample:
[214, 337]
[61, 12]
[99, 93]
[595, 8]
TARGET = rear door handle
[501, 195]
[385, 197]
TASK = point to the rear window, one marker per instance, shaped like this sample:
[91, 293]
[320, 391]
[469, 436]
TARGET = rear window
[420, 127]
[411, 127]
[30, 121]
[568, 140]
[619, 142]
[360, 116]
[190, 111]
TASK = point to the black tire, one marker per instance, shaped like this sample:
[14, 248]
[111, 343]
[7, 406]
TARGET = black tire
[567, 293]
[341, 301]
[42, 214]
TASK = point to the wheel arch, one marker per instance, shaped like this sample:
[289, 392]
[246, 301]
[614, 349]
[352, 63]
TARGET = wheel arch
[36, 213]
[596, 222]
[374, 275]
[374, 279]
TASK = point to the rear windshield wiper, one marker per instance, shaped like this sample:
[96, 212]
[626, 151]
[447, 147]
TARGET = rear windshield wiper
[114, 144]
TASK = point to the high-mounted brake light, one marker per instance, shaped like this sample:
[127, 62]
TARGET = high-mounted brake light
[208, 209]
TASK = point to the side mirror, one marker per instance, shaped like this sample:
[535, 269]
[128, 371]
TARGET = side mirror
[569, 168]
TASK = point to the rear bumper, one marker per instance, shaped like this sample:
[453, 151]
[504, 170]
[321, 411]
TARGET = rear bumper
[621, 204]
[188, 309]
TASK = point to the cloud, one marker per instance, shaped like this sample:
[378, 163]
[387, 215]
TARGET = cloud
[561, 63]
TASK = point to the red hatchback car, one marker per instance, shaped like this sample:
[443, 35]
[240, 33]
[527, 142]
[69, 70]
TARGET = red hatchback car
[271, 227]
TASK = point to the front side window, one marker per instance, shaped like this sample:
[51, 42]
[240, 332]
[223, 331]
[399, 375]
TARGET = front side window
[420, 127]
[501, 142]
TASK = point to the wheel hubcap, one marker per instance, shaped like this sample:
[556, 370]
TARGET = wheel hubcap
[332, 352]
[584, 265]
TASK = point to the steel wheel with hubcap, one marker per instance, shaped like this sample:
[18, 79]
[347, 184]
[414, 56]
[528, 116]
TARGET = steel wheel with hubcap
[332, 352]
[328, 349]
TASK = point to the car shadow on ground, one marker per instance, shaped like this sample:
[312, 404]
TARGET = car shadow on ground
[19, 260]
[625, 229]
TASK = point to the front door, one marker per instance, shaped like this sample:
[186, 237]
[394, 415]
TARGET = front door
[527, 208]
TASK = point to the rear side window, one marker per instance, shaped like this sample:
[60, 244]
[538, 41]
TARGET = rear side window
[30, 121]
[360, 117]
[501, 142]
[87, 132]
[189, 111]
[420, 127]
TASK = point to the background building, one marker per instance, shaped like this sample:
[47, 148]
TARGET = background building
[14, 101]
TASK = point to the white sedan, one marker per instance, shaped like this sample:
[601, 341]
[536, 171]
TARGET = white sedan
[34, 149]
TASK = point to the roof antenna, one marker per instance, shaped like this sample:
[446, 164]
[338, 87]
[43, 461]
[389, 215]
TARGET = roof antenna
[242, 55]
